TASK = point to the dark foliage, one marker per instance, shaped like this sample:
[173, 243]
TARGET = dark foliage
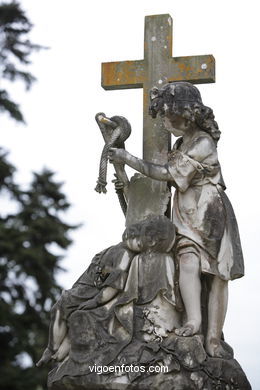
[29, 241]
[33, 236]
[15, 52]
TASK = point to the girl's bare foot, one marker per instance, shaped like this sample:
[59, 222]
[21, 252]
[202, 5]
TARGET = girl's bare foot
[189, 329]
[63, 350]
[46, 357]
[215, 349]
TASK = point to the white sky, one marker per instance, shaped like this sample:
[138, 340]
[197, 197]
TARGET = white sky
[62, 134]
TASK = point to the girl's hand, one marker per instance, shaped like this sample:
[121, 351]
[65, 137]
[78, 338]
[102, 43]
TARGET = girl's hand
[117, 156]
[119, 185]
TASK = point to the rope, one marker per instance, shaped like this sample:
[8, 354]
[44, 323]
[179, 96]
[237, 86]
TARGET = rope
[101, 181]
[117, 137]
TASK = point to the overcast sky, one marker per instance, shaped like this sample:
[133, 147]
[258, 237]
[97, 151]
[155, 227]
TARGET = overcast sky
[62, 134]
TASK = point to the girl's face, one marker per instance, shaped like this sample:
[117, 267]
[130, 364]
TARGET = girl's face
[132, 238]
[175, 124]
[134, 244]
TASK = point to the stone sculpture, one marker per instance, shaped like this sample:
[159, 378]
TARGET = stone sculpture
[208, 239]
[160, 296]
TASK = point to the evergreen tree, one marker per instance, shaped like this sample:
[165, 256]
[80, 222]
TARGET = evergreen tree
[15, 52]
[29, 239]
[32, 236]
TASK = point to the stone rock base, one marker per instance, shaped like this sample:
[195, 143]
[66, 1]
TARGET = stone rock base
[187, 367]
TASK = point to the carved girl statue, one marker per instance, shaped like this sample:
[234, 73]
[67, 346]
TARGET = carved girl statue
[98, 285]
[208, 241]
[123, 301]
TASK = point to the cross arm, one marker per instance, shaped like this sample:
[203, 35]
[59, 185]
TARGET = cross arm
[195, 69]
[123, 75]
[132, 74]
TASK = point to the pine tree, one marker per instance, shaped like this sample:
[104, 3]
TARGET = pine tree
[29, 240]
[33, 236]
[15, 51]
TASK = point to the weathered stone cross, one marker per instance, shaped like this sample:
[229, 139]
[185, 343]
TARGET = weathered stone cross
[157, 68]
[147, 196]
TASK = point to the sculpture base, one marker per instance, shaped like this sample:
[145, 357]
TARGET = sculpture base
[186, 367]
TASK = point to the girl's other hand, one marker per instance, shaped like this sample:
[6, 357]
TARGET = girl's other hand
[117, 156]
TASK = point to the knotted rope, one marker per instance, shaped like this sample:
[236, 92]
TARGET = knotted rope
[115, 131]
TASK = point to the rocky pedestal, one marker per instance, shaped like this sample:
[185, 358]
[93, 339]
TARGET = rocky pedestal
[183, 365]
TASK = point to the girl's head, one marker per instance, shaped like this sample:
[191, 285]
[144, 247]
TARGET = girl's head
[158, 234]
[181, 105]
[132, 236]
[155, 233]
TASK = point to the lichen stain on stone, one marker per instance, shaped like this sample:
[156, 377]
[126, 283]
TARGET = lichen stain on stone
[184, 67]
[188, 360]
[126, 73]
[197, 379]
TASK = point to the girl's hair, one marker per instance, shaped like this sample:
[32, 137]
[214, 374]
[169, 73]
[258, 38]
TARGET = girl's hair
[184, 99]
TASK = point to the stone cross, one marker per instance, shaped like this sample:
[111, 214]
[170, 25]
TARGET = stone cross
[147, 196]
[157, 68]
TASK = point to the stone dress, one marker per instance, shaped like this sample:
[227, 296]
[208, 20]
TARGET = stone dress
[202, 213]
